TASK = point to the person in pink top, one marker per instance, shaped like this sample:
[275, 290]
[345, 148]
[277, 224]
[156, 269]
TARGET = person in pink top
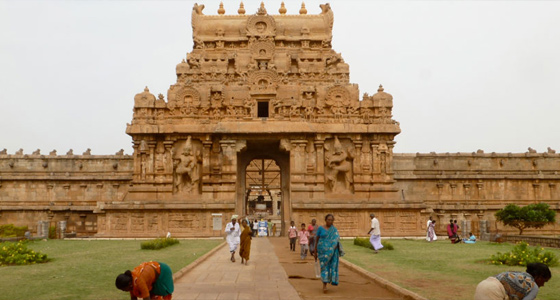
[292, 235]
[303, 236]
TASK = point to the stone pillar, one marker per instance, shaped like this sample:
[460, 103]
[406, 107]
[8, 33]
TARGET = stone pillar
[310, 158]
[453, 186]
[297, 157]
[366, 158]
[358, 156]
[150, 169]
[320, 159]
[116, 191]
[168, 161]
[440, 186]
[537, 190]
[483, 233]
[390, 146]
[479, 186]
[229, 156]
[467, 187]
[206, 150]
[375, 158]
[274, 205]
[137, 161]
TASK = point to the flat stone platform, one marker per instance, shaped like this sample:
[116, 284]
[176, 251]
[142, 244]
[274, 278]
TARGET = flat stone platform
[218, 278]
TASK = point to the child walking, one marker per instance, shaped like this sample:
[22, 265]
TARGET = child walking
[292, 234]
[303, 236]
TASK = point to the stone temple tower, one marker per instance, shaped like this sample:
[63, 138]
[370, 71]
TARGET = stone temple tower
[261, 122]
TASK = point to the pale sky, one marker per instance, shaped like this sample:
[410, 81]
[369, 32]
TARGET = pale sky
[464, 75]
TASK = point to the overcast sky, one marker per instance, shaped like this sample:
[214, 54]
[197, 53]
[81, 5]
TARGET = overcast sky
[464, 75]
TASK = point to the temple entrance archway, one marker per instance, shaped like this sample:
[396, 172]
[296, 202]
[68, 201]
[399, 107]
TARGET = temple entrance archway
[263, 195]
[263, 185]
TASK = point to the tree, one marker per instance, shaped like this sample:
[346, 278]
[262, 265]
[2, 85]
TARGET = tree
[530, 216]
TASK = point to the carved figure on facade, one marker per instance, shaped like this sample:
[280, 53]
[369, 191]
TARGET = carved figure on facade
[261, 24]
[160, 158]
[262, 49]
[187, 169]
[251, 106]
[216, 98]
[338, 172]
[263, 81]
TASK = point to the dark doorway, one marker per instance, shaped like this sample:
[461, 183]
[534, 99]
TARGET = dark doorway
[262, 109]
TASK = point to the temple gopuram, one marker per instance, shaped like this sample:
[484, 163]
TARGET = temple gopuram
[263, 122]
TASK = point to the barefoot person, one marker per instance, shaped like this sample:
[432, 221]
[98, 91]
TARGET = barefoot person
[313, 227]
[292, 235]
[375, 238]
[432, 231]
[303, 237]
[327, 251]
[514, 285]
[245, 242]
[149, 281]
[232, 236]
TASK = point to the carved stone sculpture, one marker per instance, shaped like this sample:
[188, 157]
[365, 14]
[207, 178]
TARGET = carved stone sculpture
[338, 171]
[187, 169]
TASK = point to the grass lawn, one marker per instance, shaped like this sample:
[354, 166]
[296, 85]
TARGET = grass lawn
[87, 269]
[440, 270]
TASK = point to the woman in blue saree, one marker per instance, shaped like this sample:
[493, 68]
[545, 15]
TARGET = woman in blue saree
[327, 239]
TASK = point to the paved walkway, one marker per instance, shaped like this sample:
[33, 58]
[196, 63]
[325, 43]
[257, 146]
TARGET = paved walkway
[218, 278]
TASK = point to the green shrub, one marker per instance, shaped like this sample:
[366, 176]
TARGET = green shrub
[9, 230]
[158, 243]
[522, 254]
[387, 245]
[18, 254]
[364, 242]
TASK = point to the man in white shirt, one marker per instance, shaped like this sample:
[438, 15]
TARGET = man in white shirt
[375, 238]
[232, 236]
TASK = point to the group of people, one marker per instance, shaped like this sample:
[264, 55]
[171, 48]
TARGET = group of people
[236, 237]
[452, 232]
[154, 280]
[262, 227]
[305, 237]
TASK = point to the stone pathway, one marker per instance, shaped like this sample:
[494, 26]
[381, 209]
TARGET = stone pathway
[218, 278]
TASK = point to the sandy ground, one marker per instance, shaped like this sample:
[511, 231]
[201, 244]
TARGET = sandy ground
[301, 275]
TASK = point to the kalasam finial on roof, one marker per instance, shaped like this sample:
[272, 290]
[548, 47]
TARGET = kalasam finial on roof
[241, 9]
[282, 9]
[303, 10]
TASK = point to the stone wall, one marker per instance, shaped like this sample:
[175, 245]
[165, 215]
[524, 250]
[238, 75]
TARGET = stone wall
[468, 187]
[36, 187]
[471, 187]
[553, 242]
